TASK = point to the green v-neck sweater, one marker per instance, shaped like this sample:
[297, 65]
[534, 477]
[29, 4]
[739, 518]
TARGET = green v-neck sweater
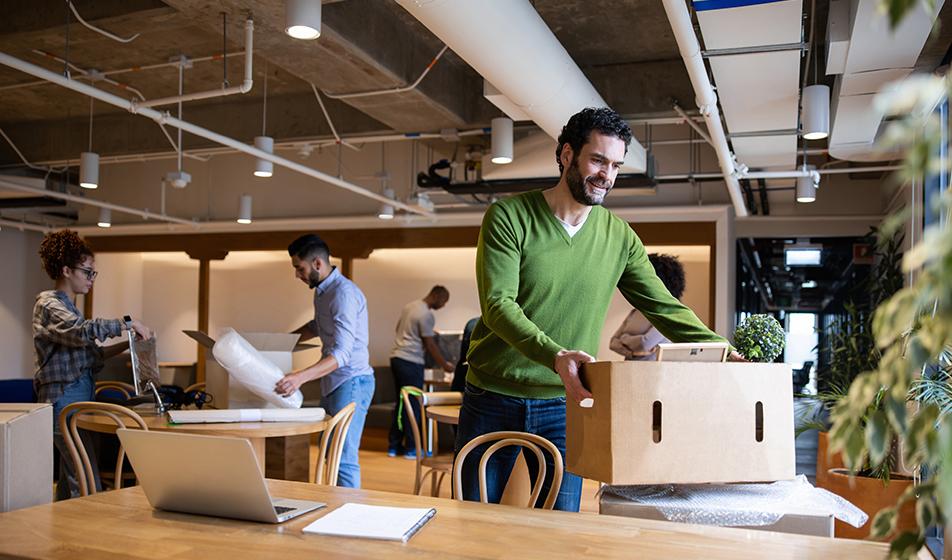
[541, 291]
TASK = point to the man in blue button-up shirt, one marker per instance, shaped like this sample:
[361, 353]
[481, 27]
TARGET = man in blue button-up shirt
[340, 321]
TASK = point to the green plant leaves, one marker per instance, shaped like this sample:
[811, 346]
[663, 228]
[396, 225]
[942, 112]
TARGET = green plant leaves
[885, 522]
[878, 437]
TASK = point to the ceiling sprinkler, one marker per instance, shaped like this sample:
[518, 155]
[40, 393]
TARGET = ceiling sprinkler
[178, 179]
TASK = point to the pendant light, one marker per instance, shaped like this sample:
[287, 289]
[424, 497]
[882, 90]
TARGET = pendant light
[265, 143]
[815, 107]
[244, 209]
[303, 19]
[501, 140]
[386, 209]
[89, 160]
[806, 187]
[105, 218]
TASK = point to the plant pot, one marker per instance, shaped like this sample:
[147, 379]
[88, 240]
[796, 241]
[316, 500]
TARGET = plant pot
[870, 495]
[825, 461]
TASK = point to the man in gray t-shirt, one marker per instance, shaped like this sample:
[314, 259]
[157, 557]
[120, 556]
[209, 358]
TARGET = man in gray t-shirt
[414, 337]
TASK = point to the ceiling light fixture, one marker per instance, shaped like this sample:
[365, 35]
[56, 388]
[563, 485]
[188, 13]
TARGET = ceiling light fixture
[386, 209]
[501, 140]
[89, 160]
[105, 218]
[244, 209]
[303, 19]
[265, 143]
[806, 186]
[816, 112]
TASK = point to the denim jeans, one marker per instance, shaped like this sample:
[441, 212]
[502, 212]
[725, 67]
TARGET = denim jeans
[404, 373]
[484, 412]
[83, 389]
[358, 390]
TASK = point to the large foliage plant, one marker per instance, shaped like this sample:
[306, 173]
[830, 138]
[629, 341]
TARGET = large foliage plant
[902, 403]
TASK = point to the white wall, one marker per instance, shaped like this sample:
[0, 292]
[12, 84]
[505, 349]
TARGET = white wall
[19, 285]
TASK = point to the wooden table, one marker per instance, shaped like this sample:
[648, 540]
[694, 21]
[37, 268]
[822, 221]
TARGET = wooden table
[122, 524]
[282, 448]
[446, 413]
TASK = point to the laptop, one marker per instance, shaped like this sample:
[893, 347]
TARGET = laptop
[693, 352]
[206, 475]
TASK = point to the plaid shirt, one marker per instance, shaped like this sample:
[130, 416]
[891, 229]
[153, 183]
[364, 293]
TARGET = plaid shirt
[65, 343]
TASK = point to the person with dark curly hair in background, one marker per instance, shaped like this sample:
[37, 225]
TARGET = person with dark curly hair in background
[547, 265]
[636, 338]
[66, 354]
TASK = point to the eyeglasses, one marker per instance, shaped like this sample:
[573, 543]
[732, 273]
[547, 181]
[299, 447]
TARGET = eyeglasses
[90, 273]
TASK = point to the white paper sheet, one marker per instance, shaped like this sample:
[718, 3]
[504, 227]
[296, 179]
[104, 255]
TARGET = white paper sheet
[208, 416]
[372, 522]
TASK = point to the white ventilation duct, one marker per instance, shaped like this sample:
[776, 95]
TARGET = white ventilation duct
[509, 44]
[868, 57]
[683, 29]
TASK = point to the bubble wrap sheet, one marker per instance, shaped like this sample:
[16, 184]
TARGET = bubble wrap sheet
[738, 505]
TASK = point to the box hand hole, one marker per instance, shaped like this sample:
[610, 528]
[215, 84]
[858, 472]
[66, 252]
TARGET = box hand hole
[656, 422]
[759, 421]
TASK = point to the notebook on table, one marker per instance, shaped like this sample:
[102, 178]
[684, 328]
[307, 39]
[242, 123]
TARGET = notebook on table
[372, 522]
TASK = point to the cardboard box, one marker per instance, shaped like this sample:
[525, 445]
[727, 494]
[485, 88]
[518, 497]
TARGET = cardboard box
[795, 521]
[277, 348]
[26, 455]
[683, 422]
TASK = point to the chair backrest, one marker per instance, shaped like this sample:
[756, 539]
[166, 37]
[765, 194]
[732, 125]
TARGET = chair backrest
[332, 446]
[425, 399]
[74, 443]
[195, 387]
[529, 441]
[124, 389]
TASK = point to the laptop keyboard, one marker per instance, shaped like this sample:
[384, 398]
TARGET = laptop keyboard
[282, 509]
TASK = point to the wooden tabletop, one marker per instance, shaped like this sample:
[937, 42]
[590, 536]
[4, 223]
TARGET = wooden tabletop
[98, 423]
[122, 524]
[446, 413]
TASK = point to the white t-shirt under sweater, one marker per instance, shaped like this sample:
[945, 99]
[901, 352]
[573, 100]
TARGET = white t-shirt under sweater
[416, 321]
[569, 228]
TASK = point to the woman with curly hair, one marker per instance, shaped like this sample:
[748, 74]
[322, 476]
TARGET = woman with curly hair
[67, 356]
[636, 338]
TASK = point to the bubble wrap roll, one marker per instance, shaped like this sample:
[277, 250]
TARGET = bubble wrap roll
[247, 366]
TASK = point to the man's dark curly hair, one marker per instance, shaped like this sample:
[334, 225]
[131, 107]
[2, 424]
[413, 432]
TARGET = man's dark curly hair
[62, 248]
[580, 126]
[670, 271]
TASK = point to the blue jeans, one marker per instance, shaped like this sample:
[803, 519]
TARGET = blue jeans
[358, 390]
[484, 412]
[404, 373]
[83, 389]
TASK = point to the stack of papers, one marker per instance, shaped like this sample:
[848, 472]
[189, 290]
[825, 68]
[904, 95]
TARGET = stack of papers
[372, 522]
[247, 415]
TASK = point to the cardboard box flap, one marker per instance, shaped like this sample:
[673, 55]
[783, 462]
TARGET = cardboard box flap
[201, 338]
[302, 346]
[272, 342]
[12, 412]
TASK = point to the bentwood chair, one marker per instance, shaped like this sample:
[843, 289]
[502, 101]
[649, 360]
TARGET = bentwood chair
[437, 466]
[126, 390]
[332, 446]
[530, 442]
[77, 450]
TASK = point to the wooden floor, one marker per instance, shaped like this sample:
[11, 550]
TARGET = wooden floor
[395, 474]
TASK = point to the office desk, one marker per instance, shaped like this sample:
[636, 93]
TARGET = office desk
[282, 448]
[122, 524]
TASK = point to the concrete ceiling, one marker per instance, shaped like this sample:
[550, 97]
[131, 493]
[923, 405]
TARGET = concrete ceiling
[365, 45]
[625, 47]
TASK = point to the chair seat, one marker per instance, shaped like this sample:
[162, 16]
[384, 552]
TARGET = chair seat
[439, 462]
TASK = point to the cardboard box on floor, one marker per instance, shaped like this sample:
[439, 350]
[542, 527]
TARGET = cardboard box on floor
[683, 422]
[795, 521]
[277, 348]
[26, 455]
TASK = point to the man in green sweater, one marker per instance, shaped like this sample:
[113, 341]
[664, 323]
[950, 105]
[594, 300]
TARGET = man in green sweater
[547, 264]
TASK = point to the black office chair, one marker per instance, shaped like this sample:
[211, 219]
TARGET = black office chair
[801, 377]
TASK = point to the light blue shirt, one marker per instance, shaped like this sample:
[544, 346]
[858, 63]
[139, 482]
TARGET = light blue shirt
[340, 320]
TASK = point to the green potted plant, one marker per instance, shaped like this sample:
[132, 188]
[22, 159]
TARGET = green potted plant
[760, 338]
[913, 332]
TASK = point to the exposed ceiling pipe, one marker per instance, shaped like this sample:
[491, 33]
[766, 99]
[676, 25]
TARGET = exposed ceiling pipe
[24, 226]
[97, 203]
[508, 44]
[91, 75]
[165, 118]
[706, 99]
[403, 89]
[245, 86]
[690, 122]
